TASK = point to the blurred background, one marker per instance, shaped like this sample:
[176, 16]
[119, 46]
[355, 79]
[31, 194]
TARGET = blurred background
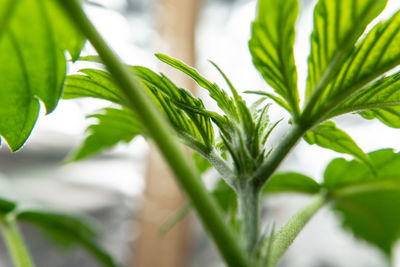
[128, 190]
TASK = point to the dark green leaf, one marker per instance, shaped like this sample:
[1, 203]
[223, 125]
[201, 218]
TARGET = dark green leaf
[327, 135]
[271, 46]
[32, 44]
[68, 230]
[114, 125]
[291, 182]
[367, 203]
[6, 206]
[337, 27]
[225, 197]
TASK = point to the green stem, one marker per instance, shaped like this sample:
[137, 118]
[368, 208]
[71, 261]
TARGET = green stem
[15, 243]
[151, 117]
[278, 154]
[249, 216]
[286, 235]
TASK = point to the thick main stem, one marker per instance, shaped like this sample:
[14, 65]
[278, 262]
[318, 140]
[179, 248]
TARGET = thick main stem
[249, 216]
[140, 102]
[15, 243]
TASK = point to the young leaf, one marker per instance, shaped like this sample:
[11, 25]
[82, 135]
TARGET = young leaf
[380, 100]
[95, 83]
[271, 47]
[219, 95]
[114, 125]
[186, 113]
[33, 68]
[291, 182]
[337, 27]
[368, 204]
[68, 230]
[327, 135]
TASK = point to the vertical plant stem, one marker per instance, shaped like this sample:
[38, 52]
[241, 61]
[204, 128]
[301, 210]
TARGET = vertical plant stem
[278, 154]
[249, 216]
[286, 235]
[15, 243]
[140, 102]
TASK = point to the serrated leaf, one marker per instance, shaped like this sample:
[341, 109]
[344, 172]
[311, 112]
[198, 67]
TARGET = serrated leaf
[113, 126]
[373, 56]
[327, 135]
[68, 230]
[94, 83]
[291, 182]
[31, 45]
[186, 113]
[223, 100]
[380, 100]
[271, 47]
[337, 27]
[367, 203]
[275, 98]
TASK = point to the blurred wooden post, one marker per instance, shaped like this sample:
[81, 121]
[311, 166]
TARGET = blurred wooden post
[177, 20]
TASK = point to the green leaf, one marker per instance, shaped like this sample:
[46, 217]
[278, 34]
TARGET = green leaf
[367, 203]
[380, 100]
[275, 98]
[6, 206]
[186, 113]
[376, 54]
[271, 47]
[68, 230]
[337, 27]
[201, 162]
[32, 51]
[327, 135]
[291, 182]
[223, 100]
[94, 83]
[113, 126]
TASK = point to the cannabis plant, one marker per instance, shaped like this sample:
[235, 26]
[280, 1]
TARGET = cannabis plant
[351, 69]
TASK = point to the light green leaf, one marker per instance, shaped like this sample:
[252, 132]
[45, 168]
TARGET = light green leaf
[95, 83]
[271, 47]
[223, 100]
[291, 182]
[327, 135]
[113, 126]
[367, 203]
[68, 230]
[33, 64]
[376, 54]
[186, 113]
[380, 100]
[275, 98]
[337, 27]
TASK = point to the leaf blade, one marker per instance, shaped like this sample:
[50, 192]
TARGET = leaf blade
[327, 135]
[271, 47]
